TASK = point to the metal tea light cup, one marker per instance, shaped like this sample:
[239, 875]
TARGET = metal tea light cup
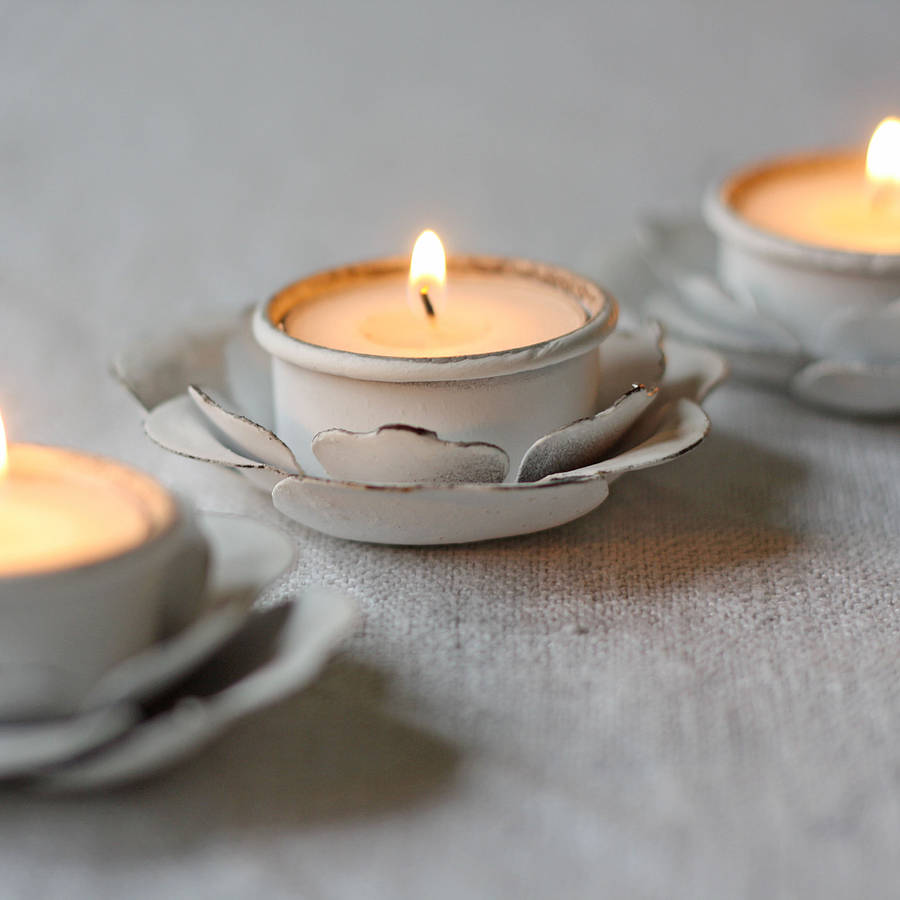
[508, 398]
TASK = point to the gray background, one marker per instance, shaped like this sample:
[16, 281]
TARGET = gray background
[693, 692]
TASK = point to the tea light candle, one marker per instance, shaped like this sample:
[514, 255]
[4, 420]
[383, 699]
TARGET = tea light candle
[60, 509]
[92, 554]
[473, 348]
[420, 316]
[847, 201]
[813, 238]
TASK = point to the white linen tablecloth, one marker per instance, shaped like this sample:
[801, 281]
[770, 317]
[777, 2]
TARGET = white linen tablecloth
[693, 692]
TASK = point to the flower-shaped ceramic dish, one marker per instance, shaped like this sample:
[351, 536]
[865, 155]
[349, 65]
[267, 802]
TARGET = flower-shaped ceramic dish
[208, 398]
[847, 361]
[227, 659]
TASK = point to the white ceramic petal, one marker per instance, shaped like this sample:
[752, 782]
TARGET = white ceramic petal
[584, 442]
[682, 253]
[745, 361]
[401, 454]
[691, 371]
[868, 337]
[279, 650]
[159, 368]
[665, 434]
[245, 556]
[705, 298]
[759, 366]
[25, 747]
[629, 358]
[667, 307]
[424, 515]
[849, 387]
[701, 292]
[694, 305]
[164, 663]
[725, 336]
[178, 426]
[221, 355]
[243, 434]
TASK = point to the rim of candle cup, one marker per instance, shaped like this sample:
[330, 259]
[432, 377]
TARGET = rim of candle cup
[726, 221]
[164, 515]
[600, 308]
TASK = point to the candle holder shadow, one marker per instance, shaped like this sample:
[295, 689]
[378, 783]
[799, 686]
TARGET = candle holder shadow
[645, 412]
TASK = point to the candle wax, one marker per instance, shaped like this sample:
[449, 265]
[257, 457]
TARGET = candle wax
[482, 314]
[60, 509]
[825, 201]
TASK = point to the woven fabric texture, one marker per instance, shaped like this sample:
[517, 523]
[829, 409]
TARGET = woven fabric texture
[693, 692]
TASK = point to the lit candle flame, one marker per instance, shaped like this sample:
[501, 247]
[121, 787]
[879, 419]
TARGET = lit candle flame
[4, 452]
[427, 289]
[883, 155]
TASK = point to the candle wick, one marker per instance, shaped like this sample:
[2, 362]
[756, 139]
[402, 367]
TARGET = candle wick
[426, 302]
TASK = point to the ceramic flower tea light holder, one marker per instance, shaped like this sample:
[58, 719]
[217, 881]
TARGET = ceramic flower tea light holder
[130, 629]
[97, 562]
[510, 415]
[211, 655]
[795, 276]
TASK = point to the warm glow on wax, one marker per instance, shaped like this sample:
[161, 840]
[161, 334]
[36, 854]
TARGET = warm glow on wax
[883, 155]
[4, 453]
[404, 313]
[427, 290]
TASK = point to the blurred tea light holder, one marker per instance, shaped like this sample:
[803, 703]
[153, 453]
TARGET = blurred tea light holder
[820, 320]
[100, 562]
[231, 649]
[112, 595]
